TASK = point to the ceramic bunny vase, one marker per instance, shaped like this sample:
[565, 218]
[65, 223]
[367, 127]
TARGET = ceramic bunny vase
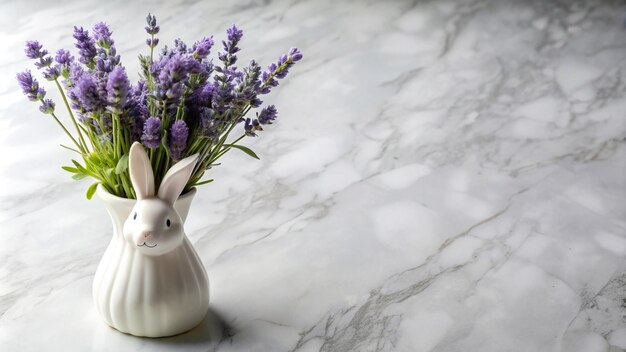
[150, 281]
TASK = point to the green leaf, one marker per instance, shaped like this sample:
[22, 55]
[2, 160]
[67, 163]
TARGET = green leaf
[70, 169]
[80, 167]
[122, 164]
[244, 149]
[92, 189]
[72, 149]
[202, 182]
[79, 176]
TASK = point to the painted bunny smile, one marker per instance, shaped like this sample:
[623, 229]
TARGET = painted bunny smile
[146, 245]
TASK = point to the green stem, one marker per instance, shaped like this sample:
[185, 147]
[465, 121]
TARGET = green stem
[151, 46]
[223, 151]
[69, 110]
[66, 131]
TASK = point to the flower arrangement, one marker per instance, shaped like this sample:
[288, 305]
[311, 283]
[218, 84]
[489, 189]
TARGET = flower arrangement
[183, 103]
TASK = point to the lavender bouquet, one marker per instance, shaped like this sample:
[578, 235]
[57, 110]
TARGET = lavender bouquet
[183, 103]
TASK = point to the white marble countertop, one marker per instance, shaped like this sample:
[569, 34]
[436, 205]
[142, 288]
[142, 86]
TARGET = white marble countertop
[444, 176]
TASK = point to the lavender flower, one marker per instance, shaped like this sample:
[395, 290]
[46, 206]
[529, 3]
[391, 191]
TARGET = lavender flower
[63, 57]
[152, 27]
[105, 62]
[172, 74]
[208, 124]
[47, 106]
[52, 73]
[204, 94]
[86, 46]
[279, 70]
[295, 54]
[75, 72]
[117, 88]
[248, 85]
[30, 86]
[102, 35]
[34, 50]
[202, 48]
[137, 109]
[86, 92]
[138, 98]
[151, 137]
[223, 97]
[268, 115]
[152, 42]
[251, 126]
[178, 138]
[106, 58]
[44, 62]
[180, 46]
[234, 35]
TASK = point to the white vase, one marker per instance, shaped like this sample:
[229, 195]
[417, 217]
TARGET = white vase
[149, 295]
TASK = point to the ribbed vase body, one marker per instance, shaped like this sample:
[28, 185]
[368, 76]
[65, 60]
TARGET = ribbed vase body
[146, 295]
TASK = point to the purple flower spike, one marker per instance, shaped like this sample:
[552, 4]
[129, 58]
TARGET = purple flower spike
[117, 88]
[63, 57]
[52, 73]
[151, 136]
[278, 70]
[152, 27]
[202, 48]
[30, 86]
[208, 123]
[172, 75]
[76, 71]
[181, 47]
[102, 35]
[268, 115]
[85, 45]
[234, 35]
[86, 91]
[106, 55]
[34, 50]
[47, 106]
[44, 62]
[250, 126]
[178, 138]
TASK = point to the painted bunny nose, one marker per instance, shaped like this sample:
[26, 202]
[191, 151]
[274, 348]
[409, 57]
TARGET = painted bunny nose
[147, 234]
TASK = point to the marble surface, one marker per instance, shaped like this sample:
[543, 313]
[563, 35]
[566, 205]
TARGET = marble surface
[444, 176]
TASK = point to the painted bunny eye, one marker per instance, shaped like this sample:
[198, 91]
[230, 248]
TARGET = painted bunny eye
[168, 223]
[135, 216]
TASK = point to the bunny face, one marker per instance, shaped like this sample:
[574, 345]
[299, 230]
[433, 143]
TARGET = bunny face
[154, 227]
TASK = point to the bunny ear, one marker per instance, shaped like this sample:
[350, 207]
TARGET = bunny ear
[176, 178]
[140, 170]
